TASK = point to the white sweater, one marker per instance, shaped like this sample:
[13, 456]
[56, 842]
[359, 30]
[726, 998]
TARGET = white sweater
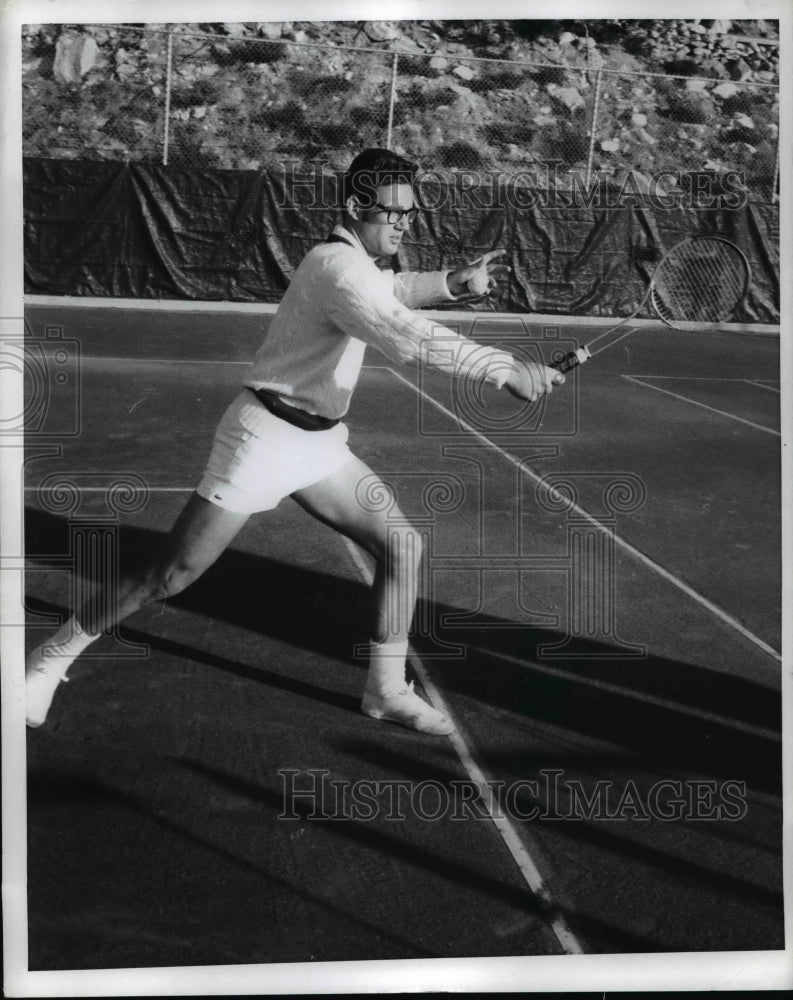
[338, 302]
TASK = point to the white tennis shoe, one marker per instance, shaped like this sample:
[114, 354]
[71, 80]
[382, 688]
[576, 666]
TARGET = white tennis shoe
[406, 708]
[44, 671]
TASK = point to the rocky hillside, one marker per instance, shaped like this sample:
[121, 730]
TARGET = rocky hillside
[249, 95]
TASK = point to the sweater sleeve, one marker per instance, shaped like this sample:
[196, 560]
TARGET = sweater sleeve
[421, 288]
[366, 308]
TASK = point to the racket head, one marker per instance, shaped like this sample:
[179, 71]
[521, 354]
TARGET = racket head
[701, 280]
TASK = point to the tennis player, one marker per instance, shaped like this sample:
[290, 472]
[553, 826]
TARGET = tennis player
[283, 435]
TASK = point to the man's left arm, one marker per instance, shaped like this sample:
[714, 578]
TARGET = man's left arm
[416, 289]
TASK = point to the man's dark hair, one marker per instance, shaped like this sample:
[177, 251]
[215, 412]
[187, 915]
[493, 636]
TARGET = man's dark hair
[374, 167]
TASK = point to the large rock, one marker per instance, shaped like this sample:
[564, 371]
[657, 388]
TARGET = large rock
[406, 45]
[75, 55]
[739, 70]
[719, 27]
[645, 136]
[464, 72]
[381, 31]
[712, 68]
[466, 101]
[270, 29]
[126, 67]
[568, 96]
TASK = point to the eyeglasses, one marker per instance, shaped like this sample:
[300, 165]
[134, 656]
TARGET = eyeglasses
[394, 215]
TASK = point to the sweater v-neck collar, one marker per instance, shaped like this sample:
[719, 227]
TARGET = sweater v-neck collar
[340, 234]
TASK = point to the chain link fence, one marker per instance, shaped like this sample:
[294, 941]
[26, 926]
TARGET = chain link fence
[203, 100]
[97, 92]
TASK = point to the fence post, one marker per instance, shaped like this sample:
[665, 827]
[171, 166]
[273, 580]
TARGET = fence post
[593, 130]
[168, 63]
[392, 101]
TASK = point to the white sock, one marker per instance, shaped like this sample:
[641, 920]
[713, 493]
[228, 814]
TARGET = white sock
[65, 646]
[387, 667]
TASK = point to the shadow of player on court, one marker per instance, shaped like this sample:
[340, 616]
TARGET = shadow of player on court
[723, 725]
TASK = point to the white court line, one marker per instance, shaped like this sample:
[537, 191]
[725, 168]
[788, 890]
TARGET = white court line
[699, 378]
[762, 385]
[187, 361]
[104, 489]
[526, 470]
[505, 827]
[704, 406]
[163, 361]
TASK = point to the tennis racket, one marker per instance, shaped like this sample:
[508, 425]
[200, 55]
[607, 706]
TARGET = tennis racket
[701, 280]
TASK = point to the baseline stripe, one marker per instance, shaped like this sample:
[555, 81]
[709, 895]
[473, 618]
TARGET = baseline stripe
[704, 406]
[164, 361]
[762, 385]
[187, 361]
[104, 489]
[702, 378]
[637, 554]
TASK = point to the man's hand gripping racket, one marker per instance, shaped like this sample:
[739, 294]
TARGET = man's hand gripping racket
[529, 380]
[701, 280]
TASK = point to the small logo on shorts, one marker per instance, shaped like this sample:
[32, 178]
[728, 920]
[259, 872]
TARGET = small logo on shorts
[217, 496]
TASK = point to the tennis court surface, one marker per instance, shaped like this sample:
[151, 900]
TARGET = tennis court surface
[600, 615]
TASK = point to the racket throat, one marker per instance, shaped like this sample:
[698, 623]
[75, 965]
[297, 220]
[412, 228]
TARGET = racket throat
[572, 360]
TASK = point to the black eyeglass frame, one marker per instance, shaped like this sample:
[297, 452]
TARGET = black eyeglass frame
[395, 215]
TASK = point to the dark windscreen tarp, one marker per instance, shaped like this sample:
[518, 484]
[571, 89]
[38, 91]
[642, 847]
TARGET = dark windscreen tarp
[134, 230]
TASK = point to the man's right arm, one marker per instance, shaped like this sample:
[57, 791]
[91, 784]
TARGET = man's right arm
[364, 306]
[368, 310]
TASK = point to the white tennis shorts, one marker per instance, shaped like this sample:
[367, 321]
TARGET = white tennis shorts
[257, 459]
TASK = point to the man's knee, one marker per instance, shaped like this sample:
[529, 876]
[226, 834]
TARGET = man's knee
[169, 579]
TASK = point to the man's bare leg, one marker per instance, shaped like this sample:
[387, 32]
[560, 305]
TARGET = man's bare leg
[201, 533]
[396, 548]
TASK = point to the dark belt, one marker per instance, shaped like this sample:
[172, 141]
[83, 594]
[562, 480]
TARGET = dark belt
[291, 414]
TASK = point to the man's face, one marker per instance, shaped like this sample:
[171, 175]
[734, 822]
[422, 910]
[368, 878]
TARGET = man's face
[380, 237]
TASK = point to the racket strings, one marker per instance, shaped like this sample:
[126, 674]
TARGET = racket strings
[700, 281]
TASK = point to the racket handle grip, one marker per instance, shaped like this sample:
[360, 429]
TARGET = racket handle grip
[572, 360]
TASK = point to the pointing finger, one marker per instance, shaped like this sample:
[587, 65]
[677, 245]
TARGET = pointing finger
[493, 253]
